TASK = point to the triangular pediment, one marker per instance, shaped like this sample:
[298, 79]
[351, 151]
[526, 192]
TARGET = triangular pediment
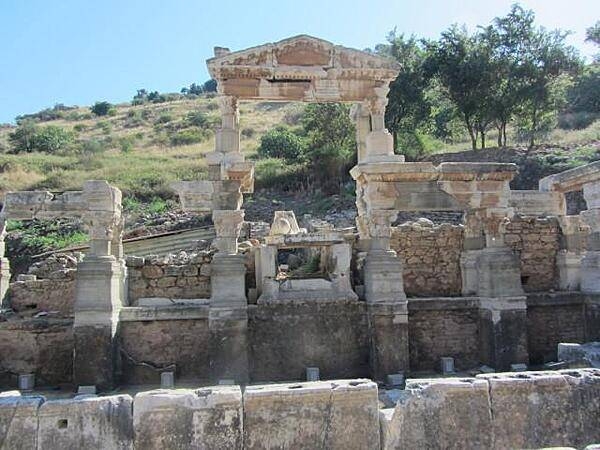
[301, 51]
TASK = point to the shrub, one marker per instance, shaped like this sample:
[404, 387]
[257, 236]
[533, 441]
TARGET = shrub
[105, 126]
[189, 136]
[28, 137]
[80, 127]
[197, 119]
[577, 120]
[281, 142]
[92, 147]
[248, 132]
[164, 118]
[126, 144]
[101, 108]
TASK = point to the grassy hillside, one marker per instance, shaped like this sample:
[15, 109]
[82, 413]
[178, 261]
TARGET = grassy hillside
[138, 148]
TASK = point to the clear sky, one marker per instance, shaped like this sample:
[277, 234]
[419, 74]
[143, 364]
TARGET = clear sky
[82, 51]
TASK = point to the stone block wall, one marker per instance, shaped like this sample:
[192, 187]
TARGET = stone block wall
[48, 288]
[431, 257]
[443, 327]
[173, 276]
[554, 318]
[150, 347]
[526, 410]
[537, 239]
[41, 346]
[286, 338]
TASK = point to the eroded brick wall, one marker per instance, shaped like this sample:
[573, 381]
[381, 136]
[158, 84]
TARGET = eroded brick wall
[551, 319]
[40, 346]
[149, 347]
[537, 239]
[173, 276]
[443, 327]
[431, 257]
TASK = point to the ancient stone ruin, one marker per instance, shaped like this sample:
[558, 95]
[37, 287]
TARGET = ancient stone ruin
[384, 301]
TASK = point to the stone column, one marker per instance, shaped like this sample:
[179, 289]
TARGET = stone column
[572, 247]
[379, 143]
[590, 263]
[4, 265]
[99, 291]
[228, 315]
[474, 242]
[503, 306]
[361, 117]
[386, 301]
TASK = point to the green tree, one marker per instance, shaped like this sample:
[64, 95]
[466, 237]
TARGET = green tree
[407, 107]
[331, 142]
[23, 138]
[210, 86]
[52, 139]
[463, 65]
[281, 142]
[101, 108]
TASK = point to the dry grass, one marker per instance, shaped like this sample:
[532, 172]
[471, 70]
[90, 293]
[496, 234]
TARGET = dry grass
[152, 163]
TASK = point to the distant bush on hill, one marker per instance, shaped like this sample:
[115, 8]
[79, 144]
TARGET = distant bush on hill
[29, 137]
[281, 142]
[102, 108]
[58, 111]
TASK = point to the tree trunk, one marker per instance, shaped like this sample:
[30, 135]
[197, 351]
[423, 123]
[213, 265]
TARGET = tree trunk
[472, 133]
[499, 135]
[483, 139]
[533, 128]
[504, 134]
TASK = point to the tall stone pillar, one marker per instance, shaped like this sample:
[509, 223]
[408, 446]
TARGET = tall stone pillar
[4, 265]
[503, 306]
[387, 305]
[473, 244]
[228, 315]
[99, 291]
[572, 248]
[590, 263]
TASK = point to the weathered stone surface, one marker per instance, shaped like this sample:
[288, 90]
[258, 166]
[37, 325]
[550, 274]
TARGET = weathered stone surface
[40, 346]
[206, 418]
[439, 414]
[440, 327]
[18, 420]
[335, 414]
[286, 338]
[545, 409]
[147, 348]
[87, 423]
[590, 352]
[431, 258]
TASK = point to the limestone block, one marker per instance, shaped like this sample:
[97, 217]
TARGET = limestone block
[284, 222]
[439, 414]
[572, 179]
[383, 278]
[569, 270]
[590, 272]
[499, 273]
[206, 418]
[338, 414]
[18, 420]
[545, 409]
[87, 423]
[538, 203]
[227, 278]
[589, 352]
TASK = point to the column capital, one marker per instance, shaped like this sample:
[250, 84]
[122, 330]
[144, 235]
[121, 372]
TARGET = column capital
[228, 224]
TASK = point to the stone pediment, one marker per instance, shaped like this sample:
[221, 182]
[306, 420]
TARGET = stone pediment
[301, 68]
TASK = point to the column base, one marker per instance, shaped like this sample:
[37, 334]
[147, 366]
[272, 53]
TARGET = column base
[590, 272]
[388, 336]
[503, 331]
[229, 344]
[98, 300]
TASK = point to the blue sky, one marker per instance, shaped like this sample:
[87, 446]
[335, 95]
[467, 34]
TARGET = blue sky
[81, 51]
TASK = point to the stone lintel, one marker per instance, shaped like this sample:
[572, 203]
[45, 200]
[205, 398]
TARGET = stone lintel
[572, 179]
[152, 313]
